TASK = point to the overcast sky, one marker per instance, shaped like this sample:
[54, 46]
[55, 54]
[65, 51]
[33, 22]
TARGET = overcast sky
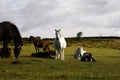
[42, 17]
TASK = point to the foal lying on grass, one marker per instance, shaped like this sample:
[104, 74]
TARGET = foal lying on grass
[44, 55]
[83, 55]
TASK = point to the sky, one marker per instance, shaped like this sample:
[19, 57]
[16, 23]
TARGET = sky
[42, 17]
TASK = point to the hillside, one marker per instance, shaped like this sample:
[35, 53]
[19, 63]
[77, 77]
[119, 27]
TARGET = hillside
[95, 42]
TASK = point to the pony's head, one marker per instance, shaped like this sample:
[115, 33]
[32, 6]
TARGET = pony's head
[78, 52]
[57, 34]
[30, 39]
[17, 49]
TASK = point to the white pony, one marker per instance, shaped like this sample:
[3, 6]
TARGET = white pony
[79, 52]
[83, 55]
[59, 45]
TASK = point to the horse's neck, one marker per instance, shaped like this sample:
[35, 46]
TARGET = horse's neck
[17, 36]
[60, 35]
[17, 41]
[61, 39]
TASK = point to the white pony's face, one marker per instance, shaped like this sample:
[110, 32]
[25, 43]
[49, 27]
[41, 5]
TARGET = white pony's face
[57, 33]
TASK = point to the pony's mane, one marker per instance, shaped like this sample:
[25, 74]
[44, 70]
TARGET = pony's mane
[17, 32]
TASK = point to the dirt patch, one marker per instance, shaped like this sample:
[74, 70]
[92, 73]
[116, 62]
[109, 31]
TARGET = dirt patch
[3, 71]
[16, 62]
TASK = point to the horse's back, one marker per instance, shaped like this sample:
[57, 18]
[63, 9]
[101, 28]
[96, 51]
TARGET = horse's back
[43, 43]
[8, 29]
[4, 30]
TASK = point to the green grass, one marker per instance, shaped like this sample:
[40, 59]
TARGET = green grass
[106, 67]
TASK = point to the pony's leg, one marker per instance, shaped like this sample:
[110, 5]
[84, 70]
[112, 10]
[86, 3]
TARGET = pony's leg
[44, 50]
[38, 49]
[62, 54]
[5, 50]
[57, 54]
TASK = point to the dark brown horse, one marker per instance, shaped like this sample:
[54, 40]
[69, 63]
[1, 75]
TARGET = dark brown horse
[39, 43]
[8, 32]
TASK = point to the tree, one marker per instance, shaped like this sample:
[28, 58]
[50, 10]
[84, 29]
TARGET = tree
[79, 34]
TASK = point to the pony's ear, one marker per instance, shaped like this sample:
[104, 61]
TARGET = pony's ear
[55, 30]
[59, 30]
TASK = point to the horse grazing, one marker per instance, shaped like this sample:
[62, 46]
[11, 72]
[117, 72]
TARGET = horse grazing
[8, 32]
[83, 55]
[59, 45]
[39, 43]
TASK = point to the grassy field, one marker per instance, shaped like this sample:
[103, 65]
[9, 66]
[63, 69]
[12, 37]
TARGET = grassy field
[107, 66]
